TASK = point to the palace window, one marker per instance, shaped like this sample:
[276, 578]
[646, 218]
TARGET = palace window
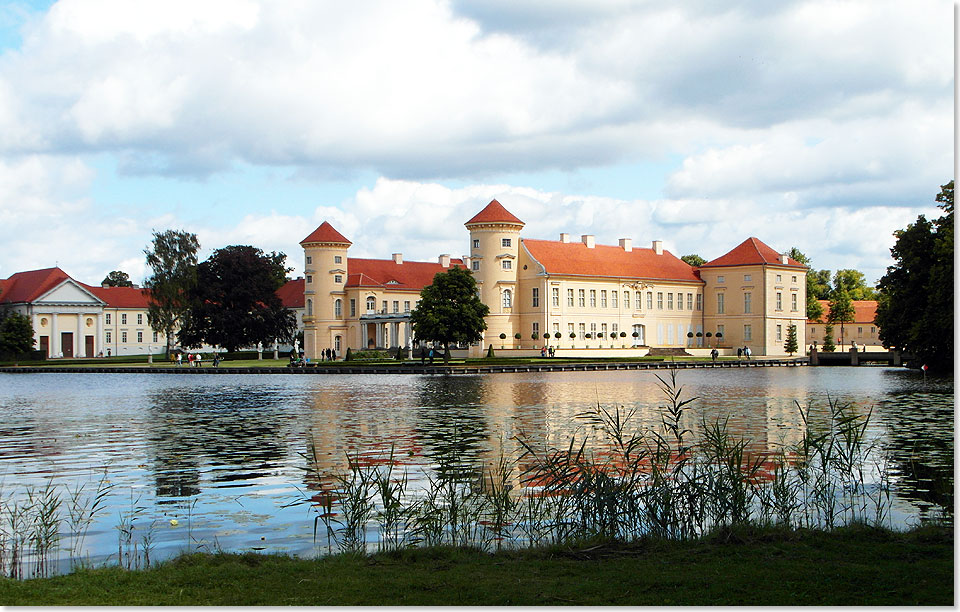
[505, 242]
[406, 306]
[779, 333]
[778, 278]
[507, 298]
[556, 328]
[507, 264]
[123, 337]
[337, 259]
[383, 307]
[309, 307]
[747, 278]
[720, 279]
[603, 329]
[155, 336]
[626, 300]
[720, 303]
[475, 264]
[603, 299]
[123, 319]
[613, 298]
[309, 279]
[139, 337]
[353, 307]
[690, 302]
[107, 317]
[569, 297]
[536, 297]
[638, 299]
[679, 301]
[614, 330]
[669, 301]
[659, 300]
[569, 328]
[747, 333]
[371, 305]
[793, 302]
[337, 278]
[649, 300]
[720, 331]
[139, 319]
[582, 298]
[699, 301]
[779, 301]
[396, 306]
[583, 330]
[108, 338]
[593, 298]
[555, 293]
[747, 302]
[476, 244]
[536, 328]
[309, 260]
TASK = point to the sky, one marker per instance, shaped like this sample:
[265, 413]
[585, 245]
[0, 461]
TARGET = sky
[821, 125]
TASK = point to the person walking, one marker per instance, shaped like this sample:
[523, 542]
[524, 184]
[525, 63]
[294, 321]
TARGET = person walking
[746, 351]
[199, 361]
[713, 354]
[739, 353]
[179, 359]
[190, 359]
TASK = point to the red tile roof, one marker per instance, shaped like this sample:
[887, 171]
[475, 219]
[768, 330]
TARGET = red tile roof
[751, 252]
[407, 276]
[864, 311]
[494, 212]
[608, 261]
[326, 233]
[291, 293]
[28, 286]
[120, 297]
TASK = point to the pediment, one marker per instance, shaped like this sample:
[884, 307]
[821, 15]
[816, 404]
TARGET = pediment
[69, 292]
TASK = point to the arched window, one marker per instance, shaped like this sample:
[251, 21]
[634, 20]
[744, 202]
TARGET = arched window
[507, 298]
[371, 305]
[338, 308]
[310, 307]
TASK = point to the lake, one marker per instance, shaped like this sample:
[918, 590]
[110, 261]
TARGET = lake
[215, 462]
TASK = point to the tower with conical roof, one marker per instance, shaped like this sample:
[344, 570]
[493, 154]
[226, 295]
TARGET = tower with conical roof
[325, 277]
[494, 248]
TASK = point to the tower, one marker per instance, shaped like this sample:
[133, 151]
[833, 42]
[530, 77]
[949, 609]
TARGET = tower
[494, 246]
[325, 276]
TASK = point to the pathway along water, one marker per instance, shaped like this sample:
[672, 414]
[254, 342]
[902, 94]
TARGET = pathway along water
[214, 461]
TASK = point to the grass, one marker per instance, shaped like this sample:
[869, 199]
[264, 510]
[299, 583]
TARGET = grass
[850, 566]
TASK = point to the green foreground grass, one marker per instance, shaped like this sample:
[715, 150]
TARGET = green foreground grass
[850, 566]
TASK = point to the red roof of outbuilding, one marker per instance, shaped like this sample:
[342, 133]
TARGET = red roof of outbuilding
[291, 293]
[864, 311]
[387, 274]
[751, 251]
[494, 212]
[120, 297]
[608, 261]
[325, 233]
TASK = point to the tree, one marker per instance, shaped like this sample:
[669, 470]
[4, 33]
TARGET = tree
[828, 345]
[16, 335]
[117, 278]
[855, 284]
[841, 310]
[694, 260]
[915, 307]
[818, 285]
[791, 346]
[450, 310]
[174, 264]
[234, 302]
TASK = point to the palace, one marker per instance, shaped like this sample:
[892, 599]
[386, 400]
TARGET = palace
[579, 297]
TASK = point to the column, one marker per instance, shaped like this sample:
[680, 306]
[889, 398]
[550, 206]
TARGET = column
[80, 342]
[98, 343]
[54, 336]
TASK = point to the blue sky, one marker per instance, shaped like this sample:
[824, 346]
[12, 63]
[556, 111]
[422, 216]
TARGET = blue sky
[816, 124]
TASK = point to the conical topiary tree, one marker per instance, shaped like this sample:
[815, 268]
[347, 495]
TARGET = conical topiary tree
[791, 344]
[490, 354]
[828, 345]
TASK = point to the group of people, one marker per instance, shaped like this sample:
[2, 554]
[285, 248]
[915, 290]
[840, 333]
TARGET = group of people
[744, 352]
[196, 360]
[328, 355]
[548, 351]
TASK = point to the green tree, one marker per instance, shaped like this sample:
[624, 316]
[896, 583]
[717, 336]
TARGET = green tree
[828, 344]
[173, 260]
[855, 284]
[16, 335]
[117, 278]
[790, 346]
[694, 260]
[841, 310]
[915, 308]
[818, 285]
[450, 310]
[234, 302]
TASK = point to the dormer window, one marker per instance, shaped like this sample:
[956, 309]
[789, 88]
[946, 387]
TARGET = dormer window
[505, 242]
[392, 282]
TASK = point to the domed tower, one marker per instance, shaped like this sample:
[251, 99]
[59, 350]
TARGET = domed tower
[494, 246]
[325, 276]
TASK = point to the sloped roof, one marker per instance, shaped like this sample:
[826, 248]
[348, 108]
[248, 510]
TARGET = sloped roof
[608, 261]
[387, 274]
[25, 287]
[864, 311]
[291, 293]
[751, 251]
[494, 212]
[120, 297]
[326, 233]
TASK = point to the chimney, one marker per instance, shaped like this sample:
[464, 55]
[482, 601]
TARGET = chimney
[445, 260]
[626, 244]
[587, 239]
[398, 258]
[565, 238]
[658, 247]
[784, 258]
